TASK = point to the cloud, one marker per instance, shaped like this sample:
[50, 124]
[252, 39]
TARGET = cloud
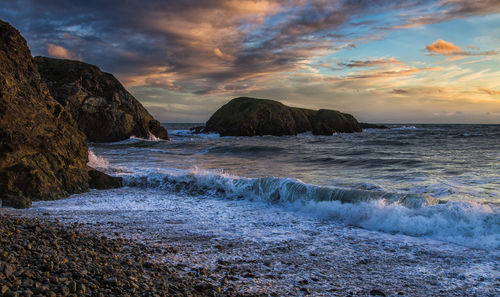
[445, 10]
[371, 63]
[223, 56]
[399, 91]
[222, 48]
[445, 48]
[391, 73]
[60, 52]
[489, 91]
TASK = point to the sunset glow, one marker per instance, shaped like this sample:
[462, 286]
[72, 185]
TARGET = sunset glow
[410, 62]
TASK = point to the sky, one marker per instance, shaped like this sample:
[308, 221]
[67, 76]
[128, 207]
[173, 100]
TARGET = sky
[382, 61]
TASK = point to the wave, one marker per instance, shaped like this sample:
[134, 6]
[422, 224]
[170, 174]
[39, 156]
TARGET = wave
[465, 223]
[97, 162]
[406, 128]
[269, 189]
[245, 150]
[189, 133]
[102, 164]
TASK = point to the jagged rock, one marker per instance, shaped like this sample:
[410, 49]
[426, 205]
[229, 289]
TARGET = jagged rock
[98, 102]
[43, 155]
[327, 122]
[99, 180]
[245, 116]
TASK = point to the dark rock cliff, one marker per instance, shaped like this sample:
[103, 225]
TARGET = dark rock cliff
[98, 102]
[43, 155]
[245, 116]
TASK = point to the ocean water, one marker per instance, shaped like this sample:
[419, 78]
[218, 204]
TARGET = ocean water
[395, 180]
[427, 192]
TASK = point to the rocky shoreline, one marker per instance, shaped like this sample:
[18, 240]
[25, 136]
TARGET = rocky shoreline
[43, 258]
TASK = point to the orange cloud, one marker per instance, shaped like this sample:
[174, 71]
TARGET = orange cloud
[60, 52]
[489, 91]
[222, 55]
[443, 47]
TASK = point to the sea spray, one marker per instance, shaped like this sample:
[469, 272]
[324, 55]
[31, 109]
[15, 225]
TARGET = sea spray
[96, 161]
[466, 223]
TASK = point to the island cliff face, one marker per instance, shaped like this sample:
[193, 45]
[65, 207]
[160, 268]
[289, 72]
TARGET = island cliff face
[103, 109]
[245, 116]
[43, 155]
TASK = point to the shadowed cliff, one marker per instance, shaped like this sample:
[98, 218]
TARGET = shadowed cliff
[103, 109]
[43, 154]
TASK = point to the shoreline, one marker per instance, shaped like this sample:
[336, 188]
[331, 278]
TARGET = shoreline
[348, 261]
[41, 258]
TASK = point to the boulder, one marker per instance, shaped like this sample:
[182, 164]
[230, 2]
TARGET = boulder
[327, 122]
[103, 109]
[99, 180]
[245, 116]
[43, 155]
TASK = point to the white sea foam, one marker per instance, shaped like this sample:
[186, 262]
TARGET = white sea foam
[96, 161]
[465, 223]
[151, 137]
[189, 133]
[103, 164]
[405, 128]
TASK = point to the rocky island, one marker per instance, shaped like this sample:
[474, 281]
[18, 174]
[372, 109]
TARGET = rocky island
[245, 116]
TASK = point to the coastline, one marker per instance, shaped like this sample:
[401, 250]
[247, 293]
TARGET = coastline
[45, 258]
[349, 260]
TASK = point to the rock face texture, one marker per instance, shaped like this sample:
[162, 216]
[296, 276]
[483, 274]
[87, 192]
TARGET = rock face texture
[97, 101]
[245, 116]
[250, 117]
[327, 122]
[43, 155]
[101, 181]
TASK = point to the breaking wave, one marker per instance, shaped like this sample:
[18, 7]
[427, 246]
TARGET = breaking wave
[420, 215]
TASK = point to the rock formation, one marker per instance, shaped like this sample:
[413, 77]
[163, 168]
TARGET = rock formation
[43, 155]
[249, 117]
[101, 181]
[327, 122]
[98, 102]
[245, 116]
[372, 126]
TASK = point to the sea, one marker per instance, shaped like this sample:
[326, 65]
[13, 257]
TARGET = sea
[413, 205]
